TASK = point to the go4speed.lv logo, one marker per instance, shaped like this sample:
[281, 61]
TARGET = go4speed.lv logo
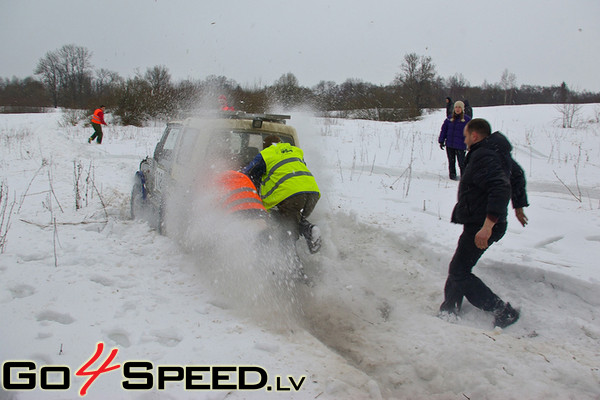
[143, 375]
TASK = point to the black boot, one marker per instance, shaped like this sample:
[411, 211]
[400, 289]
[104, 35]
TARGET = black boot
[451, 306]
[312, 234]
[505, 316]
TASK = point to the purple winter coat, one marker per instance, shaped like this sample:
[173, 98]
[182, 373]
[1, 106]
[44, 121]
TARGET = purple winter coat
[452, 133]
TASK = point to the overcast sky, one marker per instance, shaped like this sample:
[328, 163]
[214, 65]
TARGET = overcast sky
[254, 42]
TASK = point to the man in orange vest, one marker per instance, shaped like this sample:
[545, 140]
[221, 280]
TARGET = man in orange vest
[97, 122]
[224, 105]
[238, 194]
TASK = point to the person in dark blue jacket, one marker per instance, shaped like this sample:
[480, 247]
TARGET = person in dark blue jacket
[451, 137]
[491, 179]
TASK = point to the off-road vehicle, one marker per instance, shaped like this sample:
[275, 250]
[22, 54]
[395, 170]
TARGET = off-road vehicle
[188, 146]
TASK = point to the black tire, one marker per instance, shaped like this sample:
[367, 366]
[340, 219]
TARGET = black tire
[138, 204]
[161, 224]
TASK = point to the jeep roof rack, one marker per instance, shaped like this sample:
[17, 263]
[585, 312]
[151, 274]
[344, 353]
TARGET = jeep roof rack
[258, 118]
[278, 118]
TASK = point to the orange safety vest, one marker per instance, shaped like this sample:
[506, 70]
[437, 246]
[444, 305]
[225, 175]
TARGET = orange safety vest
[239, 193]
[96, 117]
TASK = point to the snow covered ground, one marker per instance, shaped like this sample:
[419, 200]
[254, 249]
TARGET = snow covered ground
[72, 278]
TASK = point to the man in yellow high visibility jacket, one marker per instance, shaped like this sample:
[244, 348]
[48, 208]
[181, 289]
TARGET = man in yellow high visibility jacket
[287, 187]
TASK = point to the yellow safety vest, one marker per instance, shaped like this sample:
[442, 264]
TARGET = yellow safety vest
[286, 174]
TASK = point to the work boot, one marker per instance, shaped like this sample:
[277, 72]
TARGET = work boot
[314, 239]
[312, 234]
[451, 307]
[505, 316]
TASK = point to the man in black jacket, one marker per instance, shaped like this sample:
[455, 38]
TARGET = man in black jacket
[490, 180]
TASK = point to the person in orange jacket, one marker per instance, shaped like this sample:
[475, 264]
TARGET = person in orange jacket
[97, 122]
[224, 105]
[238, 194]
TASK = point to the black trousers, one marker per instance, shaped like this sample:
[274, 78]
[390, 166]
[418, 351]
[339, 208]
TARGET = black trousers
[294, 210]
[453, 156]
[461, 281]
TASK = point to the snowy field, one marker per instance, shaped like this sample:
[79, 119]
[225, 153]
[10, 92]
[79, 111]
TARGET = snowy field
[75, 273]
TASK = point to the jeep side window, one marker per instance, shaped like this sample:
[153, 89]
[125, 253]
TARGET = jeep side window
[187, 146]
[164, 149]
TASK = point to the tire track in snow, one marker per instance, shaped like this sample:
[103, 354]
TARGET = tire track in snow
[375, 304]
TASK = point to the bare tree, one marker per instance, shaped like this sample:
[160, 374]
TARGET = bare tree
[160, 99]
[569, 113]
[48, 67]
[159, 78]
[356, 94]
[66, 73]
[214, 86]
[326, 95]
[457, 84]
[508, 83]
[131, 107]
[106, 82]
[417, 81]
[77, 72]
[286, 91]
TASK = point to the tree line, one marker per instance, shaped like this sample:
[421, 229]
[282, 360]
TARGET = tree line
[67, 78]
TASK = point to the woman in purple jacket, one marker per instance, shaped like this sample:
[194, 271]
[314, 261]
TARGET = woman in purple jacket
[451, 136]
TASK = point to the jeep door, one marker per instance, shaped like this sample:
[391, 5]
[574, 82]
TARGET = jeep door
[164, 155]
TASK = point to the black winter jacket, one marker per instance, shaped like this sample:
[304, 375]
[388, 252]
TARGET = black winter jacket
[490, 179]
[518, 184]
[449, 107]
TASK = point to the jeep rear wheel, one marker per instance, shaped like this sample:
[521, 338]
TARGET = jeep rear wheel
[138, 204]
